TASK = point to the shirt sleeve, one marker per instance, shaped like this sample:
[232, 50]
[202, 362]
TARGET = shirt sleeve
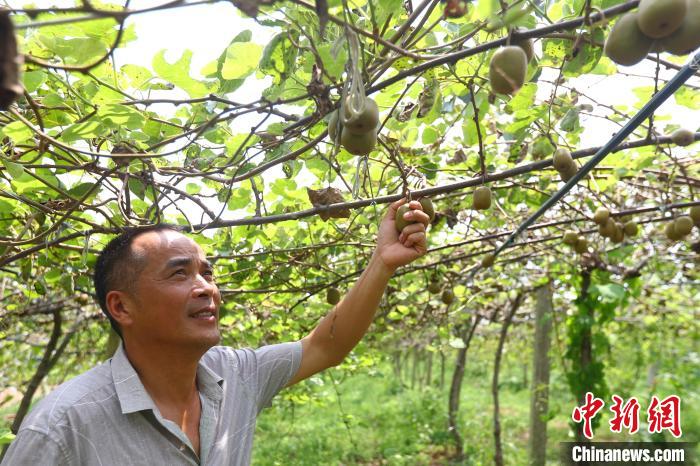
[276, 365]
[32, 448]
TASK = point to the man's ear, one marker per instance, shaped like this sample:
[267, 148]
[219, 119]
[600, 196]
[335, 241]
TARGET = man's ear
[120, 306]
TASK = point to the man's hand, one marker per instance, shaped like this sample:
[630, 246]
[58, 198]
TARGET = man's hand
[394, 249]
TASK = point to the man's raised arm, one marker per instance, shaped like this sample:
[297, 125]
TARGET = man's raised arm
[339, 331]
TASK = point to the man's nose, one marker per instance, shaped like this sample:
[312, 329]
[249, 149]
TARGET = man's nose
[203, 287]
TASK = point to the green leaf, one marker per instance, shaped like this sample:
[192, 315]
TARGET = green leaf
[241, 59]
[279, 57]
[688, 97]
[85, 130]
[178, 73]
[33, 79]
[15, 170]
[17, 131]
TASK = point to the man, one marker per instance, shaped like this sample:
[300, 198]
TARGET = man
[169, 396]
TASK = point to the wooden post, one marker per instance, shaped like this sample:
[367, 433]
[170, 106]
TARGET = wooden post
[539, 401]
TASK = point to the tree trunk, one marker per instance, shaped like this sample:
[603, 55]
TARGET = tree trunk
[539, 401]
[442, 370]
[414, 370]
[466, 334]
[498, 454]
[48, 361]
[586, 347]
[429, 369]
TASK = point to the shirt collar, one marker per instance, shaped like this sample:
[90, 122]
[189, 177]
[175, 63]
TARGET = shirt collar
[132, 394]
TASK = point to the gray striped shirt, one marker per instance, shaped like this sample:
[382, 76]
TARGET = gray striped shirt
[106, 417]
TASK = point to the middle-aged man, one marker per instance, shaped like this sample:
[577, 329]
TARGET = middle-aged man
[170, 396]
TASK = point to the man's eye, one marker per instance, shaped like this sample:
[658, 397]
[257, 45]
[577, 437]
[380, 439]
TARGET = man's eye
[180, 271]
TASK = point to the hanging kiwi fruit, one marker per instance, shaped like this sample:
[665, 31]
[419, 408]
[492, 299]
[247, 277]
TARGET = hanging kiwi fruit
[694, 213]
[626, 44]
[482, 198]
[507, 69]
[581, 245]
[687, 37]
[434, 286]
[683, 137]
[447, 296]
[631, 228]
[358, 126]
[570, 237]
[601, 215]
[488, 260]
[661, 18]
[683, 225]
[333, 296]
[455, 8]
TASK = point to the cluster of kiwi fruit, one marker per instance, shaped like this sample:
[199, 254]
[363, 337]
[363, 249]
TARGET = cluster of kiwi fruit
[447, 296]
[609, 228]
[358, 131]
[564, 164]
[576, 241]
[658, 25]
[681, 226]
[425, 203]
[508, 66]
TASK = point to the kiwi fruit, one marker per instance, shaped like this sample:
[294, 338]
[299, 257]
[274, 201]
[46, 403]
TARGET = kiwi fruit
[687, 37]
[447, 297]
[507, 69]
[482, 198]
[670, 231]
[694, 213]
[683, 225]
[581, 245]
[683, 137]
[455, 8]
[399, 221]
[333, 296]
[660, 18]
[358, 144]
[631, 228]
[333, 126]
[364, 122]
[608, 229]
[434, 287]
[626, 44]
[619, 234]
[570, 237]
[562, 160]
[428, 207]
[569, 173]
[488, 260]
[601, 215]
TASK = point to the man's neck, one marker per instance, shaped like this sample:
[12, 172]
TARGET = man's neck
[168, 375]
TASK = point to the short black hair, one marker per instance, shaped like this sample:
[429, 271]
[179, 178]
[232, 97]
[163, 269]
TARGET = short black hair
[117, 267]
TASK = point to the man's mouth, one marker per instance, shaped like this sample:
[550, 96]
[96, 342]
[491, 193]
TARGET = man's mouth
[205, 314]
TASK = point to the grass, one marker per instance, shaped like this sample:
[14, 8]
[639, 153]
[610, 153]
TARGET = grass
[389, 424]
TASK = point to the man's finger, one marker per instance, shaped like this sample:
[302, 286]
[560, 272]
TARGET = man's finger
[414, 238]
[417, 216]
[413, 228]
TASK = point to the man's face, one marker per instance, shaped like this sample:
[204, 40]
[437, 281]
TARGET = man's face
[174, 299]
